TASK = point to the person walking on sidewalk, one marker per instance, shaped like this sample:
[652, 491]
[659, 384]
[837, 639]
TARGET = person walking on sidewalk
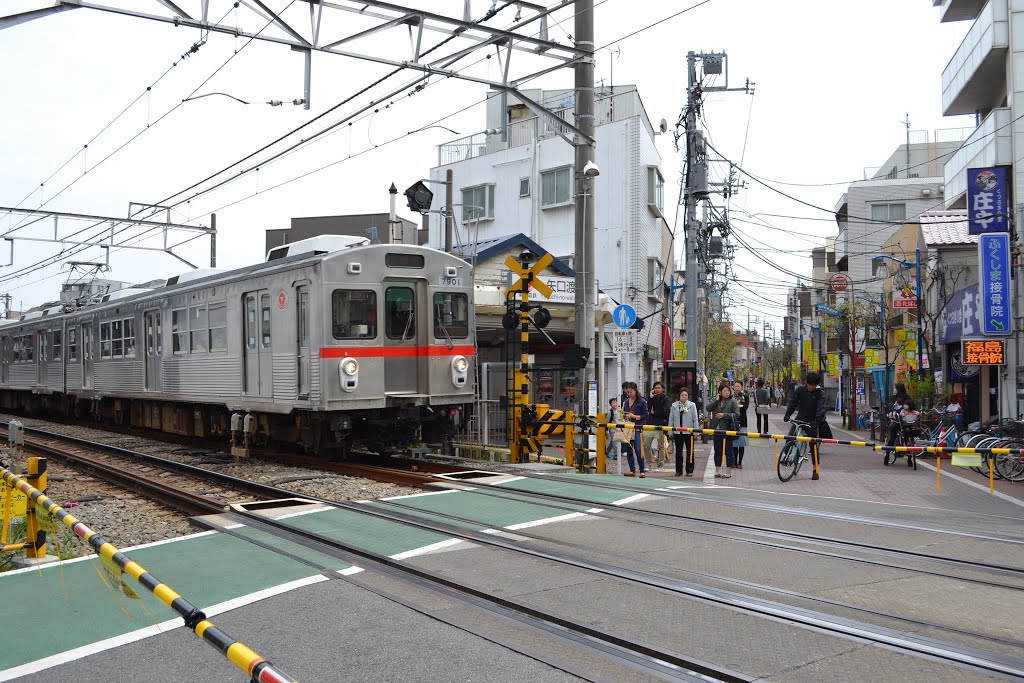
[808, 402]
[634, 410]
[660, 407]
[739, 444]
[684, 414]
[762, 403]
[724, 414]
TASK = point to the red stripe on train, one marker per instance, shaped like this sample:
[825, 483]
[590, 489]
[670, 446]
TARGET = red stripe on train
[394, 351]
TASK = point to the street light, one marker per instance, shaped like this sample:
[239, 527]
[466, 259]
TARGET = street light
[881, 268]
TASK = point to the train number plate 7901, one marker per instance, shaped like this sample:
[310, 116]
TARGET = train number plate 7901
[451, 282]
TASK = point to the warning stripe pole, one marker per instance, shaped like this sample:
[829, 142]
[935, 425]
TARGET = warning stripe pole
[255, 666]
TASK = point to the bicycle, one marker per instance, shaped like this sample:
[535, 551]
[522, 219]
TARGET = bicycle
[793, 454]
[905, 435]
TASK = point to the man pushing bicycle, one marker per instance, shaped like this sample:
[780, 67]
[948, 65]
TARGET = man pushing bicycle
[808, 402]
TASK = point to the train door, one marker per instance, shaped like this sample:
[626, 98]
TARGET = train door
[5, 360]
[42, 343]
[302, 297]
[401, 338]
[259, 372]
[154, 349]
[87, 357]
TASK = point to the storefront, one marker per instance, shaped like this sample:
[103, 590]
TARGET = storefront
[975, 387]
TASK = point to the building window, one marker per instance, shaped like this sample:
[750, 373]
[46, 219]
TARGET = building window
[888, 212]
[655, 187]
[478, 202]
[524, 187]
[556, 187]
[655, 275]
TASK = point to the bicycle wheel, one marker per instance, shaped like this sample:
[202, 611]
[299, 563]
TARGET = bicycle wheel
[1011, 467]
[789, 458]
[911, 455]
[890, 456]
[801, 455]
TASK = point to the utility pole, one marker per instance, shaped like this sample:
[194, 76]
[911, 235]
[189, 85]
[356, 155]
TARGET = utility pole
[586, 288]
[690, 220]
[449, 209]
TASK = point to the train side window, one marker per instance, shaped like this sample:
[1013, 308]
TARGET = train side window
[198, 327]
[451, 315]
[354, 314]
[265, 320]
[218, 327]
[41, 336]
[29, 348]
[117, 337]
[58, 344]
[399, 313]
[250, 322]
[72, 344]
[105, 346]
[129, 337]
[303, 297]
[179, 329]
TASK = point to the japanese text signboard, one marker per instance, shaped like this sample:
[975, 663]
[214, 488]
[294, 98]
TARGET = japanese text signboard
[984, 352]
[988, 200]
[994, 285]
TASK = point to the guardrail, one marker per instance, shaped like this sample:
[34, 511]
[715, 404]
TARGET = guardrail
[256, 667]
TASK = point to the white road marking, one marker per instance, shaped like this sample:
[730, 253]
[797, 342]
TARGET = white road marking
[149, 631]
[507, 480]
[546, 520]
[630, 499]
[423, 550]
[349, 571]
[427, 493]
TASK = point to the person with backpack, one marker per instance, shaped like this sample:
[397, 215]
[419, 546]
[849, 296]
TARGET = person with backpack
[660, 406]
[762, 404]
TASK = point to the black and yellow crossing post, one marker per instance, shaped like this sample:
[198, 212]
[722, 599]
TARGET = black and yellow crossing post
[528, 277]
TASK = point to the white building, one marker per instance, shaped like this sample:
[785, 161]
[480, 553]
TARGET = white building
[985, 77]
[525, 185]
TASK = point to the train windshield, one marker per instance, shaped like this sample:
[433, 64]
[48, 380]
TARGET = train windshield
[354, 314]
[400, 313]
[451, 315]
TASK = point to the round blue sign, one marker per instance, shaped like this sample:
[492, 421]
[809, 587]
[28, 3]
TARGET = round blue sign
[624, 316]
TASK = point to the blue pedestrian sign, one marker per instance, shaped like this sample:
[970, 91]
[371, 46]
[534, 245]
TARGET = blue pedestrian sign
[994, 287]
[624, 316]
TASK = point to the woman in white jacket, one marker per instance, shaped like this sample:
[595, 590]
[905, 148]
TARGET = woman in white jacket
[684, 414]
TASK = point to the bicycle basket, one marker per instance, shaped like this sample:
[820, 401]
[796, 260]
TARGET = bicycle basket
[909, 418]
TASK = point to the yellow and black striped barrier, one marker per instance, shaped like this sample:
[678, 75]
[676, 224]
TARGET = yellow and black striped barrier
[255, 666]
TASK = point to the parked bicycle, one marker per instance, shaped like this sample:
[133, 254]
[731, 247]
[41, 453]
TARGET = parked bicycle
[995, 433]
[794, 453]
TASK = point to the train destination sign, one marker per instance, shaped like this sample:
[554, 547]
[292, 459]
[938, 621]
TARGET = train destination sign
[984, 352]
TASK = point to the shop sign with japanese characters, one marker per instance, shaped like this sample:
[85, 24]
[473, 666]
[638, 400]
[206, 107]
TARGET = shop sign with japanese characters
[988, 200]
[994, 283]
[984, 352]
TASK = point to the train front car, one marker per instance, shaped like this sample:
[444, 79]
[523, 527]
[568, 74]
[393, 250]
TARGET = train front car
[398, 350]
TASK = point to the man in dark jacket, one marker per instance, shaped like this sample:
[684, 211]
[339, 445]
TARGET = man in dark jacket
[808, 402]
[660, 406]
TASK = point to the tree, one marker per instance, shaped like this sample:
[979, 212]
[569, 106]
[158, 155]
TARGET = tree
[718, 346]
[940, 282]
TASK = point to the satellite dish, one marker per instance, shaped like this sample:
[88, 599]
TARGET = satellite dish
[663, 126]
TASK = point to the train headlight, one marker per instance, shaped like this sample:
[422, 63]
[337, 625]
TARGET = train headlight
[348, 371]
[460, 368]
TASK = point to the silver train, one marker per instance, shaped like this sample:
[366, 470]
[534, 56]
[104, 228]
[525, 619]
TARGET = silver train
[331, 343]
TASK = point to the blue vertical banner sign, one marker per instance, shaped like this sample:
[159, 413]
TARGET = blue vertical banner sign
[994, 286]
[988, 200]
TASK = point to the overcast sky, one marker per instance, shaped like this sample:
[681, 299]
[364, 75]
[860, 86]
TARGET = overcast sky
[834, 83]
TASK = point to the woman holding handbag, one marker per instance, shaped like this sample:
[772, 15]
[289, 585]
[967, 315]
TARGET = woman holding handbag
[723, 412]
[634, 410]
[684, 414]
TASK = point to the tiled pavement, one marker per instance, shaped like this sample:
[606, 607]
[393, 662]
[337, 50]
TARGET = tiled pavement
[858, 473]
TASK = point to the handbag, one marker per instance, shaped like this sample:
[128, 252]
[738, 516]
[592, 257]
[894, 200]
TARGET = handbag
[761, 409]
[825, 430]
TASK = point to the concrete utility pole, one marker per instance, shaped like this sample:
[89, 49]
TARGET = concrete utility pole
[690, 220]
[586, 289]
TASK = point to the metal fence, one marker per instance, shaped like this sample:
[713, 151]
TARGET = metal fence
[486, 436]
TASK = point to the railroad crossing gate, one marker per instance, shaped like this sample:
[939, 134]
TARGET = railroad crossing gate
[537, 423]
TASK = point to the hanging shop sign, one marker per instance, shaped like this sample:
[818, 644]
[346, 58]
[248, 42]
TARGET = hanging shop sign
[984, 352]
[995, 290]
[988, 200]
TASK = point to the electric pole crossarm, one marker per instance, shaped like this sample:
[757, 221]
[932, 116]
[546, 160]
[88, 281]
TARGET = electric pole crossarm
[103, 219]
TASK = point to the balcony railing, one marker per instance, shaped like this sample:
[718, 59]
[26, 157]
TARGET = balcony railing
[989, 145]
[607, 109]
[974, 74]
